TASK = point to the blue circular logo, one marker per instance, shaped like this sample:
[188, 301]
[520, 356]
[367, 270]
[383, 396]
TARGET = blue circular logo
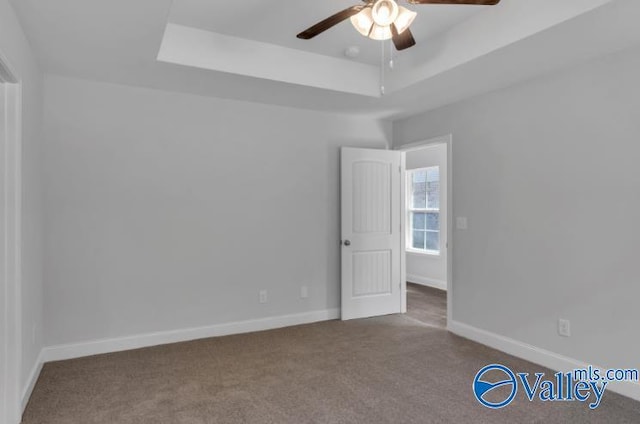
[481, 386]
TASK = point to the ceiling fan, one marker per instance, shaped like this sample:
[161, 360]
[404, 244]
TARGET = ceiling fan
[383, 20]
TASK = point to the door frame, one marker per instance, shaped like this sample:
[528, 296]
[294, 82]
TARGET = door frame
[448, 141]
[10, 235]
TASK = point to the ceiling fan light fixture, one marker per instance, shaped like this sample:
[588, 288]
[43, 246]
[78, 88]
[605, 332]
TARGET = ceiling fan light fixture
[382, 20]
[363, 22]
[381, 33]
[405, 19]
[384, 12]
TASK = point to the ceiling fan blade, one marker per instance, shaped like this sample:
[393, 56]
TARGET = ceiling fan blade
[403, 40]
[478, 2]
[332, 21]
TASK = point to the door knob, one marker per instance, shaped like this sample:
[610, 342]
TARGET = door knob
[347, 243]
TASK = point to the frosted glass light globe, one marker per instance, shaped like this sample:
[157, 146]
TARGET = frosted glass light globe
[384, 12]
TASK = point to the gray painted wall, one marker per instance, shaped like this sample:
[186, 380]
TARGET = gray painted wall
[15, 47]
[169, 211]
[548, 174]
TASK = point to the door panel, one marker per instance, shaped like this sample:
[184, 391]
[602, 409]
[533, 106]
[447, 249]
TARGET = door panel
[371, 232]
[371, 273]
[371, 200]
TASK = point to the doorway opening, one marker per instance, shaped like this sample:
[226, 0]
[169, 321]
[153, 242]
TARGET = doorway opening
[427, 215]
[396, 220]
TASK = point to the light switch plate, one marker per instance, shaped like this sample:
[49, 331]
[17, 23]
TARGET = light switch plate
[462, 223]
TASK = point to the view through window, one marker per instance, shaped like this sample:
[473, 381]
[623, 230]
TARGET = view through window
[424, 210]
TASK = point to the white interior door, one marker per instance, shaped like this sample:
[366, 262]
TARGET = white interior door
[371, 232]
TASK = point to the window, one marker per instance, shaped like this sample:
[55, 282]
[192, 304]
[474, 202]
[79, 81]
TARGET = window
[424, 210]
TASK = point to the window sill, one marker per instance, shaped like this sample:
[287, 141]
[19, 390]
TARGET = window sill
[414, 252]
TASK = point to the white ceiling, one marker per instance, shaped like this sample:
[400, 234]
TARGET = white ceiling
[278, 22]
[119, 41]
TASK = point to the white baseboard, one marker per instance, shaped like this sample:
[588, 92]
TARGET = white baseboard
[31, 382]
[429, 282]
[536, 355]
[97, 347]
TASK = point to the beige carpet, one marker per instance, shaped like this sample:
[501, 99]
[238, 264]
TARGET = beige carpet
[427, 304]
[384, 370]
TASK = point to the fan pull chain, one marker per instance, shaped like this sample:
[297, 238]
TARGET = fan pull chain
[391, 64]
[382, 66]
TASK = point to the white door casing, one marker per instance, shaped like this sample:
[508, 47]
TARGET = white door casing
[371, 232]
[448, 228]
[10, 246]
[3, 284]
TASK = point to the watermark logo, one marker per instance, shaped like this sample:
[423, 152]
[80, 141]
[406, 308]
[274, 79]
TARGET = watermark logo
[491, 378]
[496, 386]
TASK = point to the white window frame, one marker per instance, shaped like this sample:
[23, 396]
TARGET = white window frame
[411, 210]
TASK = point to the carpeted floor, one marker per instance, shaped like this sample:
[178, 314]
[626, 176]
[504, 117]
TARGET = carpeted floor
[427, 304]
[392, 369]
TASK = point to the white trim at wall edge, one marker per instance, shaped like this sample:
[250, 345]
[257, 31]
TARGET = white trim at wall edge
[97, 347]
[429, 282]
[535, 354]
[31, 382]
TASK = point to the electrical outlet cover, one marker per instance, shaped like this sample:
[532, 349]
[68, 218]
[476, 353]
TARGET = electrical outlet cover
[564, 328]
[263, 296]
